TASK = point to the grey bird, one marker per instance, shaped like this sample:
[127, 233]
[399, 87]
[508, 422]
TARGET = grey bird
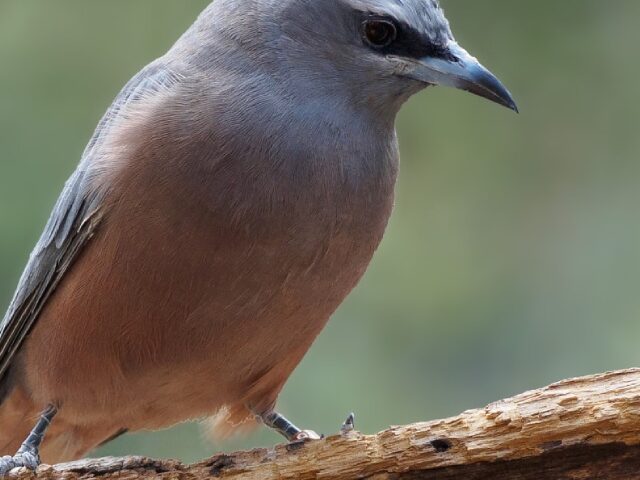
[230, 199]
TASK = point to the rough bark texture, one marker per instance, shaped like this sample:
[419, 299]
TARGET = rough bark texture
[584, 428]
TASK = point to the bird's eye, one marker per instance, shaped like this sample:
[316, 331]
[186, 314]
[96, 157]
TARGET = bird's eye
[379, 33]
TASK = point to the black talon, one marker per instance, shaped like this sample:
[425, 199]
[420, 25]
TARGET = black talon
[349, 424]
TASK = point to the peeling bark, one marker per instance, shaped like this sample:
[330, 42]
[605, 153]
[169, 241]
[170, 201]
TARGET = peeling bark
[583, 428]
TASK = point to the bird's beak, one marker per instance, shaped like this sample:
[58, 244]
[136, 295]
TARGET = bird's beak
[461, 71]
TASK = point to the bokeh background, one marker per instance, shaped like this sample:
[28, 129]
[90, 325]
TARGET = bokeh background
[513, 257]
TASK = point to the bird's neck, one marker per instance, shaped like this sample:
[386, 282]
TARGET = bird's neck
[320, 133]
[299, 125]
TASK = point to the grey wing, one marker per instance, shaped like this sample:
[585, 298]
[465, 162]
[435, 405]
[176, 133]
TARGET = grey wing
[75, 218]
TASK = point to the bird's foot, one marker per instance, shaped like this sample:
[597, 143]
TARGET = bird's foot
[306, 435]
[347, 427]
[287, 429]
[28, 455]
[292, 433]
[30, 460]
[349, 424]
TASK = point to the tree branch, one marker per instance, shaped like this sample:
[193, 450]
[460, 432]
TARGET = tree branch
[580, 428]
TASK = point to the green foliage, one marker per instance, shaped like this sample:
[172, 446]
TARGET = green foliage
[512, 259]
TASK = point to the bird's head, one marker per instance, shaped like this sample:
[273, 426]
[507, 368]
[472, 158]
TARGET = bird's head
[405, 44]
[378, 50]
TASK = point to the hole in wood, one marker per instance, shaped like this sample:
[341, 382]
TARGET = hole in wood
[441, 445]
[220, 464]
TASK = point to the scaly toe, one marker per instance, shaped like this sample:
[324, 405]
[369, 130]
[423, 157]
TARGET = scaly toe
[7, 463]
[307, 435]
[28, 460]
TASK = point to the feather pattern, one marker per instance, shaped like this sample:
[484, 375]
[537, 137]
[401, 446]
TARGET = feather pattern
[75, 218]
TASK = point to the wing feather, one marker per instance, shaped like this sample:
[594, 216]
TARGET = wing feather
[74, 220]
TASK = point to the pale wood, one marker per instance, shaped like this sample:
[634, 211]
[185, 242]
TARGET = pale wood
[576, 429]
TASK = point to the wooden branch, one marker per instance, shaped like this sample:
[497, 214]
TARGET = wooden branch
[584, 428]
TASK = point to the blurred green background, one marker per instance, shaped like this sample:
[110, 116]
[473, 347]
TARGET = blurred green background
[513, 257]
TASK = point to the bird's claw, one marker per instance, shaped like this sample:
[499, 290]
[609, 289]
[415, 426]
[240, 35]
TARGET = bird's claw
[27, 459]
[306, 435]
[349, 424]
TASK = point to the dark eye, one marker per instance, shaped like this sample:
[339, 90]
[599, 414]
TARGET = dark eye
[379, 33]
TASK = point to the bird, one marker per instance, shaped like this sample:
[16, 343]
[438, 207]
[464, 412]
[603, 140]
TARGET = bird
[230, 199]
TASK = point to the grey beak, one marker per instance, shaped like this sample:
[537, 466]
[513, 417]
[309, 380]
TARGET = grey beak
[463, 72]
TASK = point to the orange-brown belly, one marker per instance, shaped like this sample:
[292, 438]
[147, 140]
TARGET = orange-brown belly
[174, 311]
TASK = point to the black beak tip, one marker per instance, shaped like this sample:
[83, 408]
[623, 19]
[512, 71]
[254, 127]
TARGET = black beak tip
[506, 98]
[501, 95]
[486, 84]
[497, 94]
[510, 103]
[492, 89]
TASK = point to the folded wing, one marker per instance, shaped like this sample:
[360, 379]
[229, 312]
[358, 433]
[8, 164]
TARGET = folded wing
[75, 217]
